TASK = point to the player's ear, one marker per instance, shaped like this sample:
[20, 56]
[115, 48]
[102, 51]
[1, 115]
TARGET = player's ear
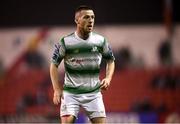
[76, 20]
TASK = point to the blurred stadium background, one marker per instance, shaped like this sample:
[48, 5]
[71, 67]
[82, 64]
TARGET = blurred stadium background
[144, 35]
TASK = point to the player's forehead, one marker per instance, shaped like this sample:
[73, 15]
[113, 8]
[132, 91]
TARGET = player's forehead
[86, 12]
[90, 12]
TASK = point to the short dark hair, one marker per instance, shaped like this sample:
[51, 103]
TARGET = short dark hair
[83, 7]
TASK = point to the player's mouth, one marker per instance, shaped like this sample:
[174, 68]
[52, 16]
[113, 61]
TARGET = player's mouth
[90, 26]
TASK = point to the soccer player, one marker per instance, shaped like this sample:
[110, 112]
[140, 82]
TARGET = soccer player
[82, 52]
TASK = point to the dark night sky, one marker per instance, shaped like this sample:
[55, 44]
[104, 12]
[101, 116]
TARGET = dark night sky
[61, 12]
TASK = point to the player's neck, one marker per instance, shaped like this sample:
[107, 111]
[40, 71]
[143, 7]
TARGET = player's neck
[83, 35]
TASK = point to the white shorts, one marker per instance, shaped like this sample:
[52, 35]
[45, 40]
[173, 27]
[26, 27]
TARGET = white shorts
[92, 103]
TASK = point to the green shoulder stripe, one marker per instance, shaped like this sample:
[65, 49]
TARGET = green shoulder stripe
[62, 42]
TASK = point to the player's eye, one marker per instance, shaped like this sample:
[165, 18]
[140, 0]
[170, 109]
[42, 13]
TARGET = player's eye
[92, 17]
[86, 17]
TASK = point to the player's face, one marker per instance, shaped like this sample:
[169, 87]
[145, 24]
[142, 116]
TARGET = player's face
[85, 20]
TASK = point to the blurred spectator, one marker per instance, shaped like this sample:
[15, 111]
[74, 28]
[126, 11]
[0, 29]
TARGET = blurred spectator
[35, 59]
[165, 54]
[171, 82]
[21, 106]
[29, 99]
[42, 92]
[124, 58]
[142, 106]
[41, 95]
[165, 81]
[26, 101]
[162, 108]
[178, 82]
[159, 82]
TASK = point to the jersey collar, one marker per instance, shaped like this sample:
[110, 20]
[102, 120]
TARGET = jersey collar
[76, 36]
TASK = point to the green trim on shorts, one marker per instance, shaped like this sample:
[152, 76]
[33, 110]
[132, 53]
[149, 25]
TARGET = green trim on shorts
[81, 90]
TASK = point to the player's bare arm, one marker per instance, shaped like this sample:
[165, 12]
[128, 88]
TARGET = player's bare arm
[56, 85]
[109, 73]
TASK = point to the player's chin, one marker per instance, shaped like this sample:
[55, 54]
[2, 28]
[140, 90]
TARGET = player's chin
[89, 30]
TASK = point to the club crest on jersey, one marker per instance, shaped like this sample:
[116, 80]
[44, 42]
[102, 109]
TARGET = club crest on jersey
[94, 49]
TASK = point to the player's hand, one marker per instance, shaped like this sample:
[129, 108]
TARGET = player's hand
[57, 97]
[105, 83]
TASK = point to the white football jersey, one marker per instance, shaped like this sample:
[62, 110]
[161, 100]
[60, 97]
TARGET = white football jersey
[82, 59]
